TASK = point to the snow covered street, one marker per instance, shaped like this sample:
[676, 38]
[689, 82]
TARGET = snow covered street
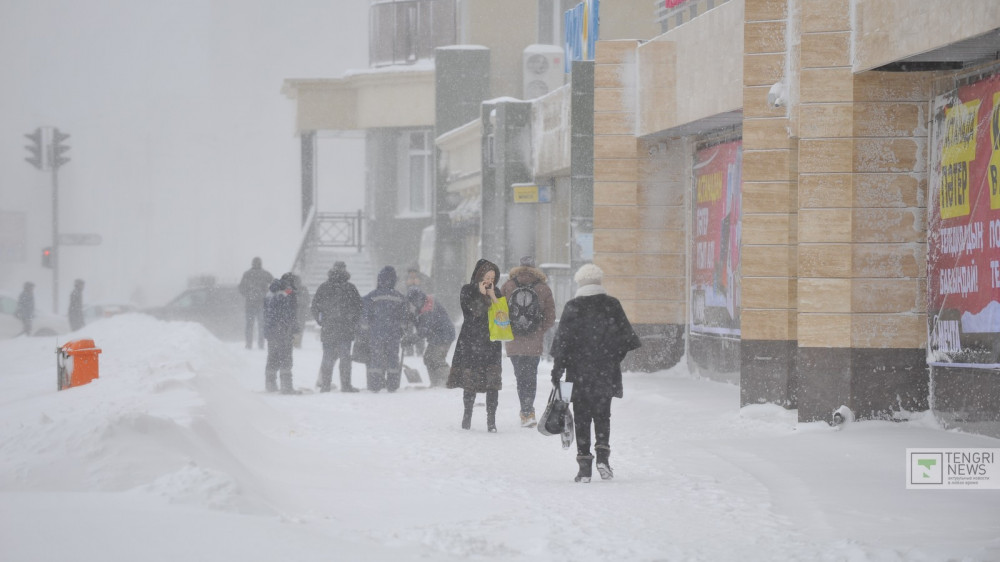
[176, 453]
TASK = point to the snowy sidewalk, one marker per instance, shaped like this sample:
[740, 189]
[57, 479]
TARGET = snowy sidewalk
[176, 453]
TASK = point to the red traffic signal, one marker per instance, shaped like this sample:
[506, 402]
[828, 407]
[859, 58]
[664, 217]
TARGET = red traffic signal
[47, 257]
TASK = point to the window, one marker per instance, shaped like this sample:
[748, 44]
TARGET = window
[416, 177]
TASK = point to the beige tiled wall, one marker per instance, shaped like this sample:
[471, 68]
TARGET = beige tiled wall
[769, 183]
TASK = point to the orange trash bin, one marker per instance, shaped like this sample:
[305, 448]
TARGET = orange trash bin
[77, 363]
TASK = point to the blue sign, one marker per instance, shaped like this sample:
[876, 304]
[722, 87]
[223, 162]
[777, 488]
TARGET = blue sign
[581, 24]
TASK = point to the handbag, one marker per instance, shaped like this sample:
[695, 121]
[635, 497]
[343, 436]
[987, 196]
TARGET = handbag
[553, 420]
[499, 316]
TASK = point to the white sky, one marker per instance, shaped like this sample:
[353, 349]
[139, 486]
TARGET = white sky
[183, 151]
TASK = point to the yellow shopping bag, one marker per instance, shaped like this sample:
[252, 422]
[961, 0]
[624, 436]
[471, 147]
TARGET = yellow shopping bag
[500, 321]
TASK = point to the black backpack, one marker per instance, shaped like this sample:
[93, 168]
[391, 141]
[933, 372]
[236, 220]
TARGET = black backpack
[525, 309]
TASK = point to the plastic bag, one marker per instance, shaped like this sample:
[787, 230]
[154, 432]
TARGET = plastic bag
[499, 315]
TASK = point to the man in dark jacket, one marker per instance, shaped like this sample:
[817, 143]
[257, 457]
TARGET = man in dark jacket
[337, 309]
[383, 319]
[253, 287]
[303, 299]
[525, 349]
[26, 307]
[76, 306]
[432, 324]
[280, 327]
[592, 339]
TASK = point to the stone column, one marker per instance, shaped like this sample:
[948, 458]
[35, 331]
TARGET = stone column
[769, 262]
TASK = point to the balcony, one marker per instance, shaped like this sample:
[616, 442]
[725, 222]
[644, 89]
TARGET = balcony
[404, 31]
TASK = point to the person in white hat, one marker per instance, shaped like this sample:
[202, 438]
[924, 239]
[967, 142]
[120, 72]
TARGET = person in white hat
[593, 337]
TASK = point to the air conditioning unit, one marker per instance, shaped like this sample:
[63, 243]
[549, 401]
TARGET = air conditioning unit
[543, 70]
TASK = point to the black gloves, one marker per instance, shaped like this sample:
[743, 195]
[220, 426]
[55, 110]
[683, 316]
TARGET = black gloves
[556, 375]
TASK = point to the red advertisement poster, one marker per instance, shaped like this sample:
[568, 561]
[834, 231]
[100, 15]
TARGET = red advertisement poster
[715, 252]
[963, 227]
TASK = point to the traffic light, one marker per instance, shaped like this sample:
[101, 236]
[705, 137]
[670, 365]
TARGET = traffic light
[58, 148]
[37, 158]
[47, 257]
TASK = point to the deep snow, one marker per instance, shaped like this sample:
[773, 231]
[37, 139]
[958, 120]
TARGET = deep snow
[176, 453]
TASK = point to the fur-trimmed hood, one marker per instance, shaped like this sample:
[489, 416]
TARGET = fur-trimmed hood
[525, 274]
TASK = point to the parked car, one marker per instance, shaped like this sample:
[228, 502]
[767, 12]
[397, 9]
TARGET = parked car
[92, 312]
[219, 308]
[42, 325]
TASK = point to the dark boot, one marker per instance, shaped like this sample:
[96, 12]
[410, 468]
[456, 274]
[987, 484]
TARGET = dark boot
[586, 468]
[468, 400]
[492, 401]
[286, 383]
[345, 381]
[603, 452]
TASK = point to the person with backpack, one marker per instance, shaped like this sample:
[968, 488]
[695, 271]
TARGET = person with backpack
[532, 313]
[336, 307]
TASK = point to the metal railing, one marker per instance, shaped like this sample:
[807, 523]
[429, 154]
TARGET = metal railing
[329, 230]
[339, 230]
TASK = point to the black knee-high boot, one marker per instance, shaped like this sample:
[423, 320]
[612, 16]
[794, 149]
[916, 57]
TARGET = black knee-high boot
[492, 401]
[468, 399]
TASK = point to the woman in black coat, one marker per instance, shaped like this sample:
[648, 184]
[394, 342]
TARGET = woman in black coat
[593, 337]
[476, 364]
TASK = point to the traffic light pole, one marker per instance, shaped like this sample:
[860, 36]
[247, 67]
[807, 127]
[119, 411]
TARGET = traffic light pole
[47, 153]
[55, 239]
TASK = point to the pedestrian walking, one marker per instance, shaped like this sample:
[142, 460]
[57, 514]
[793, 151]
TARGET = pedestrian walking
[432, 324]
[302, 314]
[337, 309]
[383, 318]
[25, 311]
[76, 306]
[593, 336]
[280, 326]
[532, 313]
[476, 364]
[254, 287]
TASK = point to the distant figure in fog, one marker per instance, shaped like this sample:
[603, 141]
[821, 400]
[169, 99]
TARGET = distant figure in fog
[76, 306]
[253, 287]
[413, 345]
[433, 325]
[26, 307]
[337, 309]
[476, 364]
[383, 319]
[590, 343]
[280, 327]
[302, 297]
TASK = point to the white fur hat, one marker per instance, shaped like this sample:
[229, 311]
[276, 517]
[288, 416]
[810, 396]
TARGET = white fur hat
[588, 274]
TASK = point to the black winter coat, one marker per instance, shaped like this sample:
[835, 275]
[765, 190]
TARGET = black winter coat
[476, 364]
[592, 339]
[336, 306]
[383, 318]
